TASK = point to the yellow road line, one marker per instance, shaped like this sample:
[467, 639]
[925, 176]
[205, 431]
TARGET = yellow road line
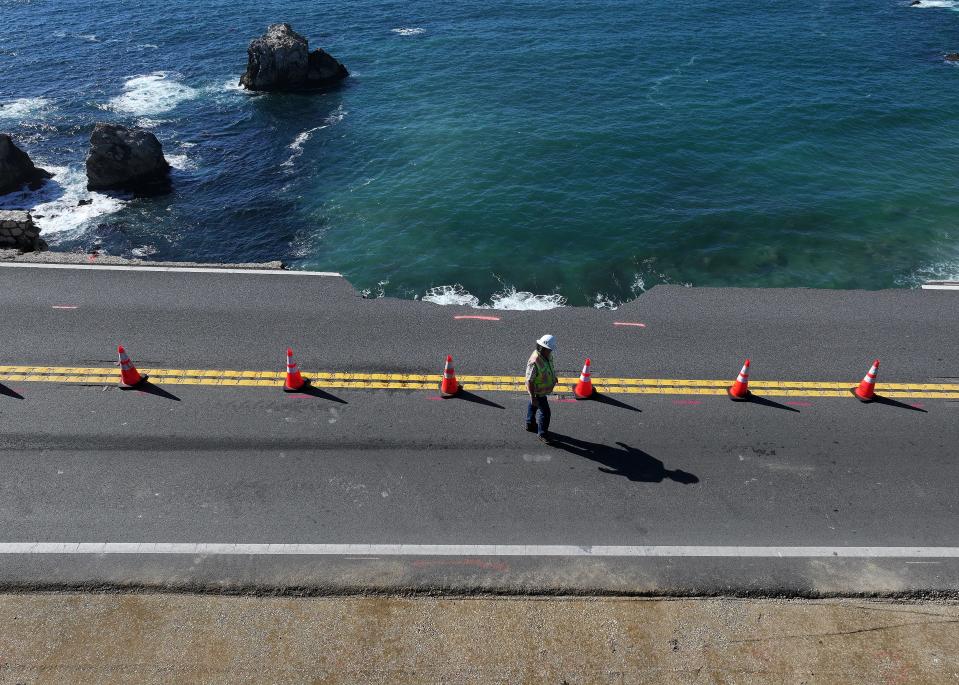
[430, 382]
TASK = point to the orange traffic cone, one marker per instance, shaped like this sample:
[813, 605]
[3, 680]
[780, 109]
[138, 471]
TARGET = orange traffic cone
[450, 386]
[739, 390]
[866, 391]
[129, 376]
[584, 389]
[294, 381]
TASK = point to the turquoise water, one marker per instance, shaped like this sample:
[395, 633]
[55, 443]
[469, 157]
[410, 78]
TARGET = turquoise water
[587, 150]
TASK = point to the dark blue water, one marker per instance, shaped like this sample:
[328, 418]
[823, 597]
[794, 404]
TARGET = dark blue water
[585, 150]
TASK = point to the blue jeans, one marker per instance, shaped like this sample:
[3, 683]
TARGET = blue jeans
[542, 415]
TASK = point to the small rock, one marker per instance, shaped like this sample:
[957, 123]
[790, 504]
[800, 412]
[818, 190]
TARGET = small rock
[951, 57]
[87, 201]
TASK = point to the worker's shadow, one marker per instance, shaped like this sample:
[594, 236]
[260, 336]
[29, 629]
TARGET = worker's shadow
[623, 460]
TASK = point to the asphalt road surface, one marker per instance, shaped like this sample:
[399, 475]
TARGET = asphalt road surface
[386, 489]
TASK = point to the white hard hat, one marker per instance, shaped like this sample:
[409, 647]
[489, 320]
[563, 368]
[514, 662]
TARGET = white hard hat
[548, 341]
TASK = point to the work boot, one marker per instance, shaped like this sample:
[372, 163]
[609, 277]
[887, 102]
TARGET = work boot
[531, 427]
[546, 438]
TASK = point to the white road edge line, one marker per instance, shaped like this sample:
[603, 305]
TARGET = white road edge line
[288, 549]
[176, 269]
[954, 286]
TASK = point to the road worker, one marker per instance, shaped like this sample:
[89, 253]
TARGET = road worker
[540, 381]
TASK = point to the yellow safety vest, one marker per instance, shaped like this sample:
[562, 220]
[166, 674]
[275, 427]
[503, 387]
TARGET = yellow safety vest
[543, 379]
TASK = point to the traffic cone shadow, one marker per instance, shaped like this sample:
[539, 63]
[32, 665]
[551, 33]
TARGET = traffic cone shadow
[149, 388]
[889, 402]
[753, 398]
[10, 392]
[313, 391]
[602, 398]
[476, 399]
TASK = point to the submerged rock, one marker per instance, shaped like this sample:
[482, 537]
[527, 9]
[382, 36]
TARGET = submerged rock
[17, 231]
[123, 158]
[281, 60]
[17, 169]
[951, 57]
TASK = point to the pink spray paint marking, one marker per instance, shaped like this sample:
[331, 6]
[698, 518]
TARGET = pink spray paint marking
[559, 400]
[687, 402]
[434, 397]
[917, 405]
[800, 404]
[629, 323]
[479, 318]
[64, 306]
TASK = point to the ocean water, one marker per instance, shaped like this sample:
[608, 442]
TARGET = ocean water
[520, 153]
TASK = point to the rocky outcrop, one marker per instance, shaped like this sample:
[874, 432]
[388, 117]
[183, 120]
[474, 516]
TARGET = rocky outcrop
[281, 60]
[951, 57]
[17, 231]
[17, 169]
[123, 158]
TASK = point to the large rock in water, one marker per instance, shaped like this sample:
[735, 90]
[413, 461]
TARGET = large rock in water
[17, 169]
[281, 60]
[123, 158]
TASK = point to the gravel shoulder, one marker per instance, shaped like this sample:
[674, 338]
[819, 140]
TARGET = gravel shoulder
[157, 638]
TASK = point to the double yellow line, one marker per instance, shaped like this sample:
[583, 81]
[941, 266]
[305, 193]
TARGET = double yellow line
[430, 382]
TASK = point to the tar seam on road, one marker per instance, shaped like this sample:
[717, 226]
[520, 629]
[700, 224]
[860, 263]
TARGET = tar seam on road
[412, 381]
[288, 549]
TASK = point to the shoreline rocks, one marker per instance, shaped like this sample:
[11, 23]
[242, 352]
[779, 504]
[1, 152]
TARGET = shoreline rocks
[122, 158]
[280, 60]
[17, 231]
[17, 169]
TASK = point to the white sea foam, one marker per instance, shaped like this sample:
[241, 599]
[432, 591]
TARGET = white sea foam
[143, 251]
[23, 109]
[297, 145]
[945, 4]
[89, 37]
[54, 205]
[513, 299]
[181, 162]
[451, 294]
[336, 116]
[508, 298]
[604, 301]
[938, 271]
[414, 31]
[152, 94]
[304, 136]
[378, 293]
[149, 46]
[147, 122]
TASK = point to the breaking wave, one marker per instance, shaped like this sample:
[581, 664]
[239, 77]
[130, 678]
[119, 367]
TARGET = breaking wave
[181, 162]
[151, 94]
[415, 31]
[55, 205]
[23, 108]
[508, 298]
